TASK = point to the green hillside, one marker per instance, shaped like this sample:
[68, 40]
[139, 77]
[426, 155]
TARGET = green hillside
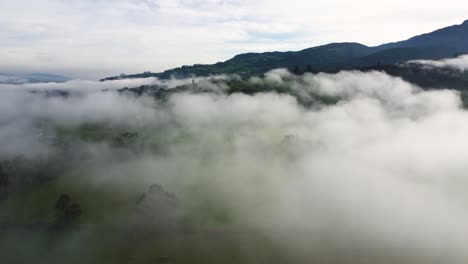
[443, 43]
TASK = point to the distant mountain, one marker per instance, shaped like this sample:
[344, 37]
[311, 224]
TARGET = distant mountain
[443, 43]
[455, 37]
[31, 78]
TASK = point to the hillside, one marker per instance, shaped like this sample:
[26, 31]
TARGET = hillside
[443, 43]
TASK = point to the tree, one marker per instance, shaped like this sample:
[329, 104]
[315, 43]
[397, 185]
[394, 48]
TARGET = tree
[63, 202]
[4, 182]
[296, 70]
[67, 213]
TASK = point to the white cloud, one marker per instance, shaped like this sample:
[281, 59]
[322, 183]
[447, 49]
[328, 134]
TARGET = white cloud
[460, 63]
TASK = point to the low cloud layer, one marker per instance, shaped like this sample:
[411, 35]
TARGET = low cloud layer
[459, 63]
[380, 175]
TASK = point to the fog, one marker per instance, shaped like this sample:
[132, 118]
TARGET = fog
[380, 175]
[459, 63]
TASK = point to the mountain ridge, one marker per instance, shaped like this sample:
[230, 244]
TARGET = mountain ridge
[442, 43]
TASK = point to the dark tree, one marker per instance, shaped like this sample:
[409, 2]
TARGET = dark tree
[141, 199]
[296, 70]
[4, 182]
[67, 213]
[63, 202]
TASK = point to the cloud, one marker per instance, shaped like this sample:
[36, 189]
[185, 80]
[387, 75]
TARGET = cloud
[381, 173]
[459, 63]
[11, 79]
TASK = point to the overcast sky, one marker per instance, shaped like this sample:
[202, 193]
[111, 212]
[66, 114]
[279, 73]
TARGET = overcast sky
[97, 38]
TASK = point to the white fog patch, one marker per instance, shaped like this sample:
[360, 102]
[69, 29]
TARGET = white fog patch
[459, 63]
[93, 107]
[98, 86]
[82, 85]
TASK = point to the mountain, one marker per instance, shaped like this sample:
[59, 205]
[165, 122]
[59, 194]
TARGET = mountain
[455, 37]
[443, 43]
[31, 78]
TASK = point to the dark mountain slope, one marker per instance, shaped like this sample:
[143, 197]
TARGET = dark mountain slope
[403, 54]
[442, 43]
[455, 37]
[327, 57]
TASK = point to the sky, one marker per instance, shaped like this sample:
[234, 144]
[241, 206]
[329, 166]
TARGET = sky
[90, 39]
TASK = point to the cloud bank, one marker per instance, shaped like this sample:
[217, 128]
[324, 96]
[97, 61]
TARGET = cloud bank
[459, 63]
[380, 175]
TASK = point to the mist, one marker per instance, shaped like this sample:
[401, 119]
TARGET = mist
[458, 63]
[378, 175]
